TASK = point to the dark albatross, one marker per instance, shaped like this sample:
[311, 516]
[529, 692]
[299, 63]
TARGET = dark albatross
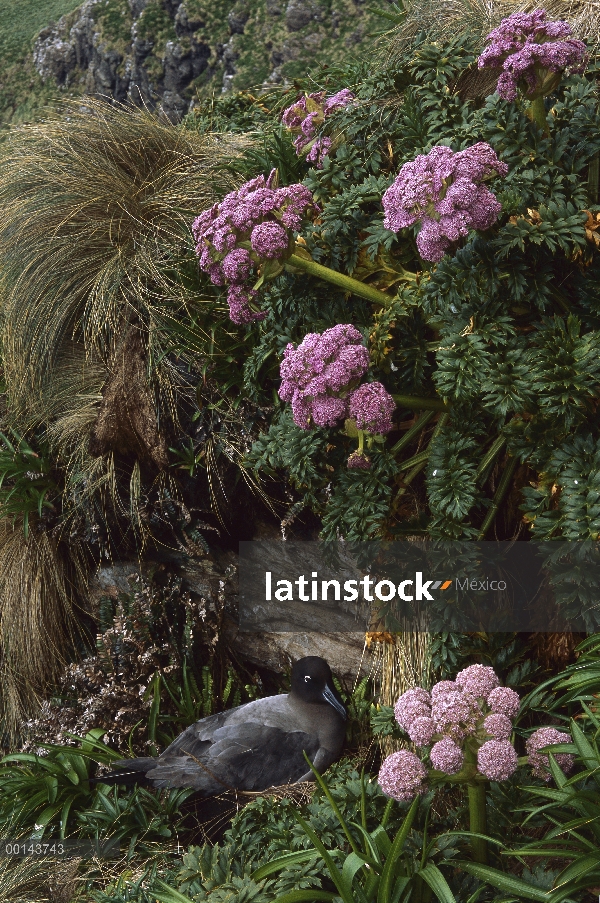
[254, 746]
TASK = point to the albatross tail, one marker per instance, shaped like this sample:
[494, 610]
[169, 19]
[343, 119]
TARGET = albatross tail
[129, 773]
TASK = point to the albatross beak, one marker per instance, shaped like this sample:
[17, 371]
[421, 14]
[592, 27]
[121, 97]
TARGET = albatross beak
[330, 698]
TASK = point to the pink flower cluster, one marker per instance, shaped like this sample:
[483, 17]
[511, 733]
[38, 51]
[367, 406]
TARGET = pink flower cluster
[359, 461]
[402, 776]
[547, 736]
[473, 709]
[526, 48]
[443, 190]
[306, 115]
[258, 213]
[320, 379]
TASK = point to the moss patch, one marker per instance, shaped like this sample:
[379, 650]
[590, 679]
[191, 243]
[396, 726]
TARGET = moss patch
[115, 21]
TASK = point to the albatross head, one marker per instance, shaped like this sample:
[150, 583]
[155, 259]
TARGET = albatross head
[312, 682]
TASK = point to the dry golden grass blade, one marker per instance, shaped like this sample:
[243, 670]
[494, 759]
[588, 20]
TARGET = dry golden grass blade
[400, 661]
[441, 18]
[25, 880]
[583, 16]
[39, 585]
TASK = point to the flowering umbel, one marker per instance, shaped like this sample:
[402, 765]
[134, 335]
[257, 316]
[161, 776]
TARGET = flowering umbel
[304, 117]
[320, 378]
[460, 721]
[403, 776]
[443, 191]
[466, 724]
[547, 736]
[258, 214]
[531, 54]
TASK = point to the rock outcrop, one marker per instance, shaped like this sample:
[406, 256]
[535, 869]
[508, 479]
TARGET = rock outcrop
[82, 48]
[162, 53]
[213, 582]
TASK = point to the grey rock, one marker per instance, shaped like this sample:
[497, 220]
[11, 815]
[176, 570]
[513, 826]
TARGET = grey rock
[61, 52]
[238, 17]
[274, 78]
[227, 82]
[273, 8]
[172, 106]
[355, 37]
[290, 51]
[177, 65]
[213, 581]
[313, 41]
[172, 7]
[298, 14]
[184, 26]
[335, 24]
[140, 50]
[137, 7]
[53, 57]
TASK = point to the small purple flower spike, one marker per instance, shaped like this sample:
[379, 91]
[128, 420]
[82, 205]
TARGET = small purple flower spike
[452, 713]
[421, 731]
[498, 726]
[504, 701]
[414, 703]
[497, 760]
[316, 376]
[358, 461]
[477, 681]
[269, 240]
[446, 756]
[306, 115]
[256, 212]
[372, 408]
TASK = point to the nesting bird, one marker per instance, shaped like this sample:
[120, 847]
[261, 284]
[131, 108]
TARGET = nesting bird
[254, 746]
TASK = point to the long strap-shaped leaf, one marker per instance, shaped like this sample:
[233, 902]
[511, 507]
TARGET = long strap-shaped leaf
[584, 865]
[344, 889]
[305, 896]
[281, 862]
[323, 785]
[504, 882]
[168, 894]
[387, 875]
[436, 881]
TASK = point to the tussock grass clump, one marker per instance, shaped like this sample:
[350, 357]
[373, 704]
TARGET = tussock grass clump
[40, 583]
[95, 206]
[476, 18]
[95, 254]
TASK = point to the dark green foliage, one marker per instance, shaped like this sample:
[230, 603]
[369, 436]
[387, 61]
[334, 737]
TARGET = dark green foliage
[504, 328]
[359, 502]
[570, 808]
[41, 795]
[245, 867]
[27, 480]
[139, 819]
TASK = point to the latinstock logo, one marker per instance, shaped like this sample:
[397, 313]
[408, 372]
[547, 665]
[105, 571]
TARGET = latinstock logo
[314, 590]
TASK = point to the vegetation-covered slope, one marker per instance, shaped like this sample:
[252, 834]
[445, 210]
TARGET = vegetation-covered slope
[165, 52]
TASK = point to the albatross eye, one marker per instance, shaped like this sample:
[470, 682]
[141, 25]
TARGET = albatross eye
[306, 679]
